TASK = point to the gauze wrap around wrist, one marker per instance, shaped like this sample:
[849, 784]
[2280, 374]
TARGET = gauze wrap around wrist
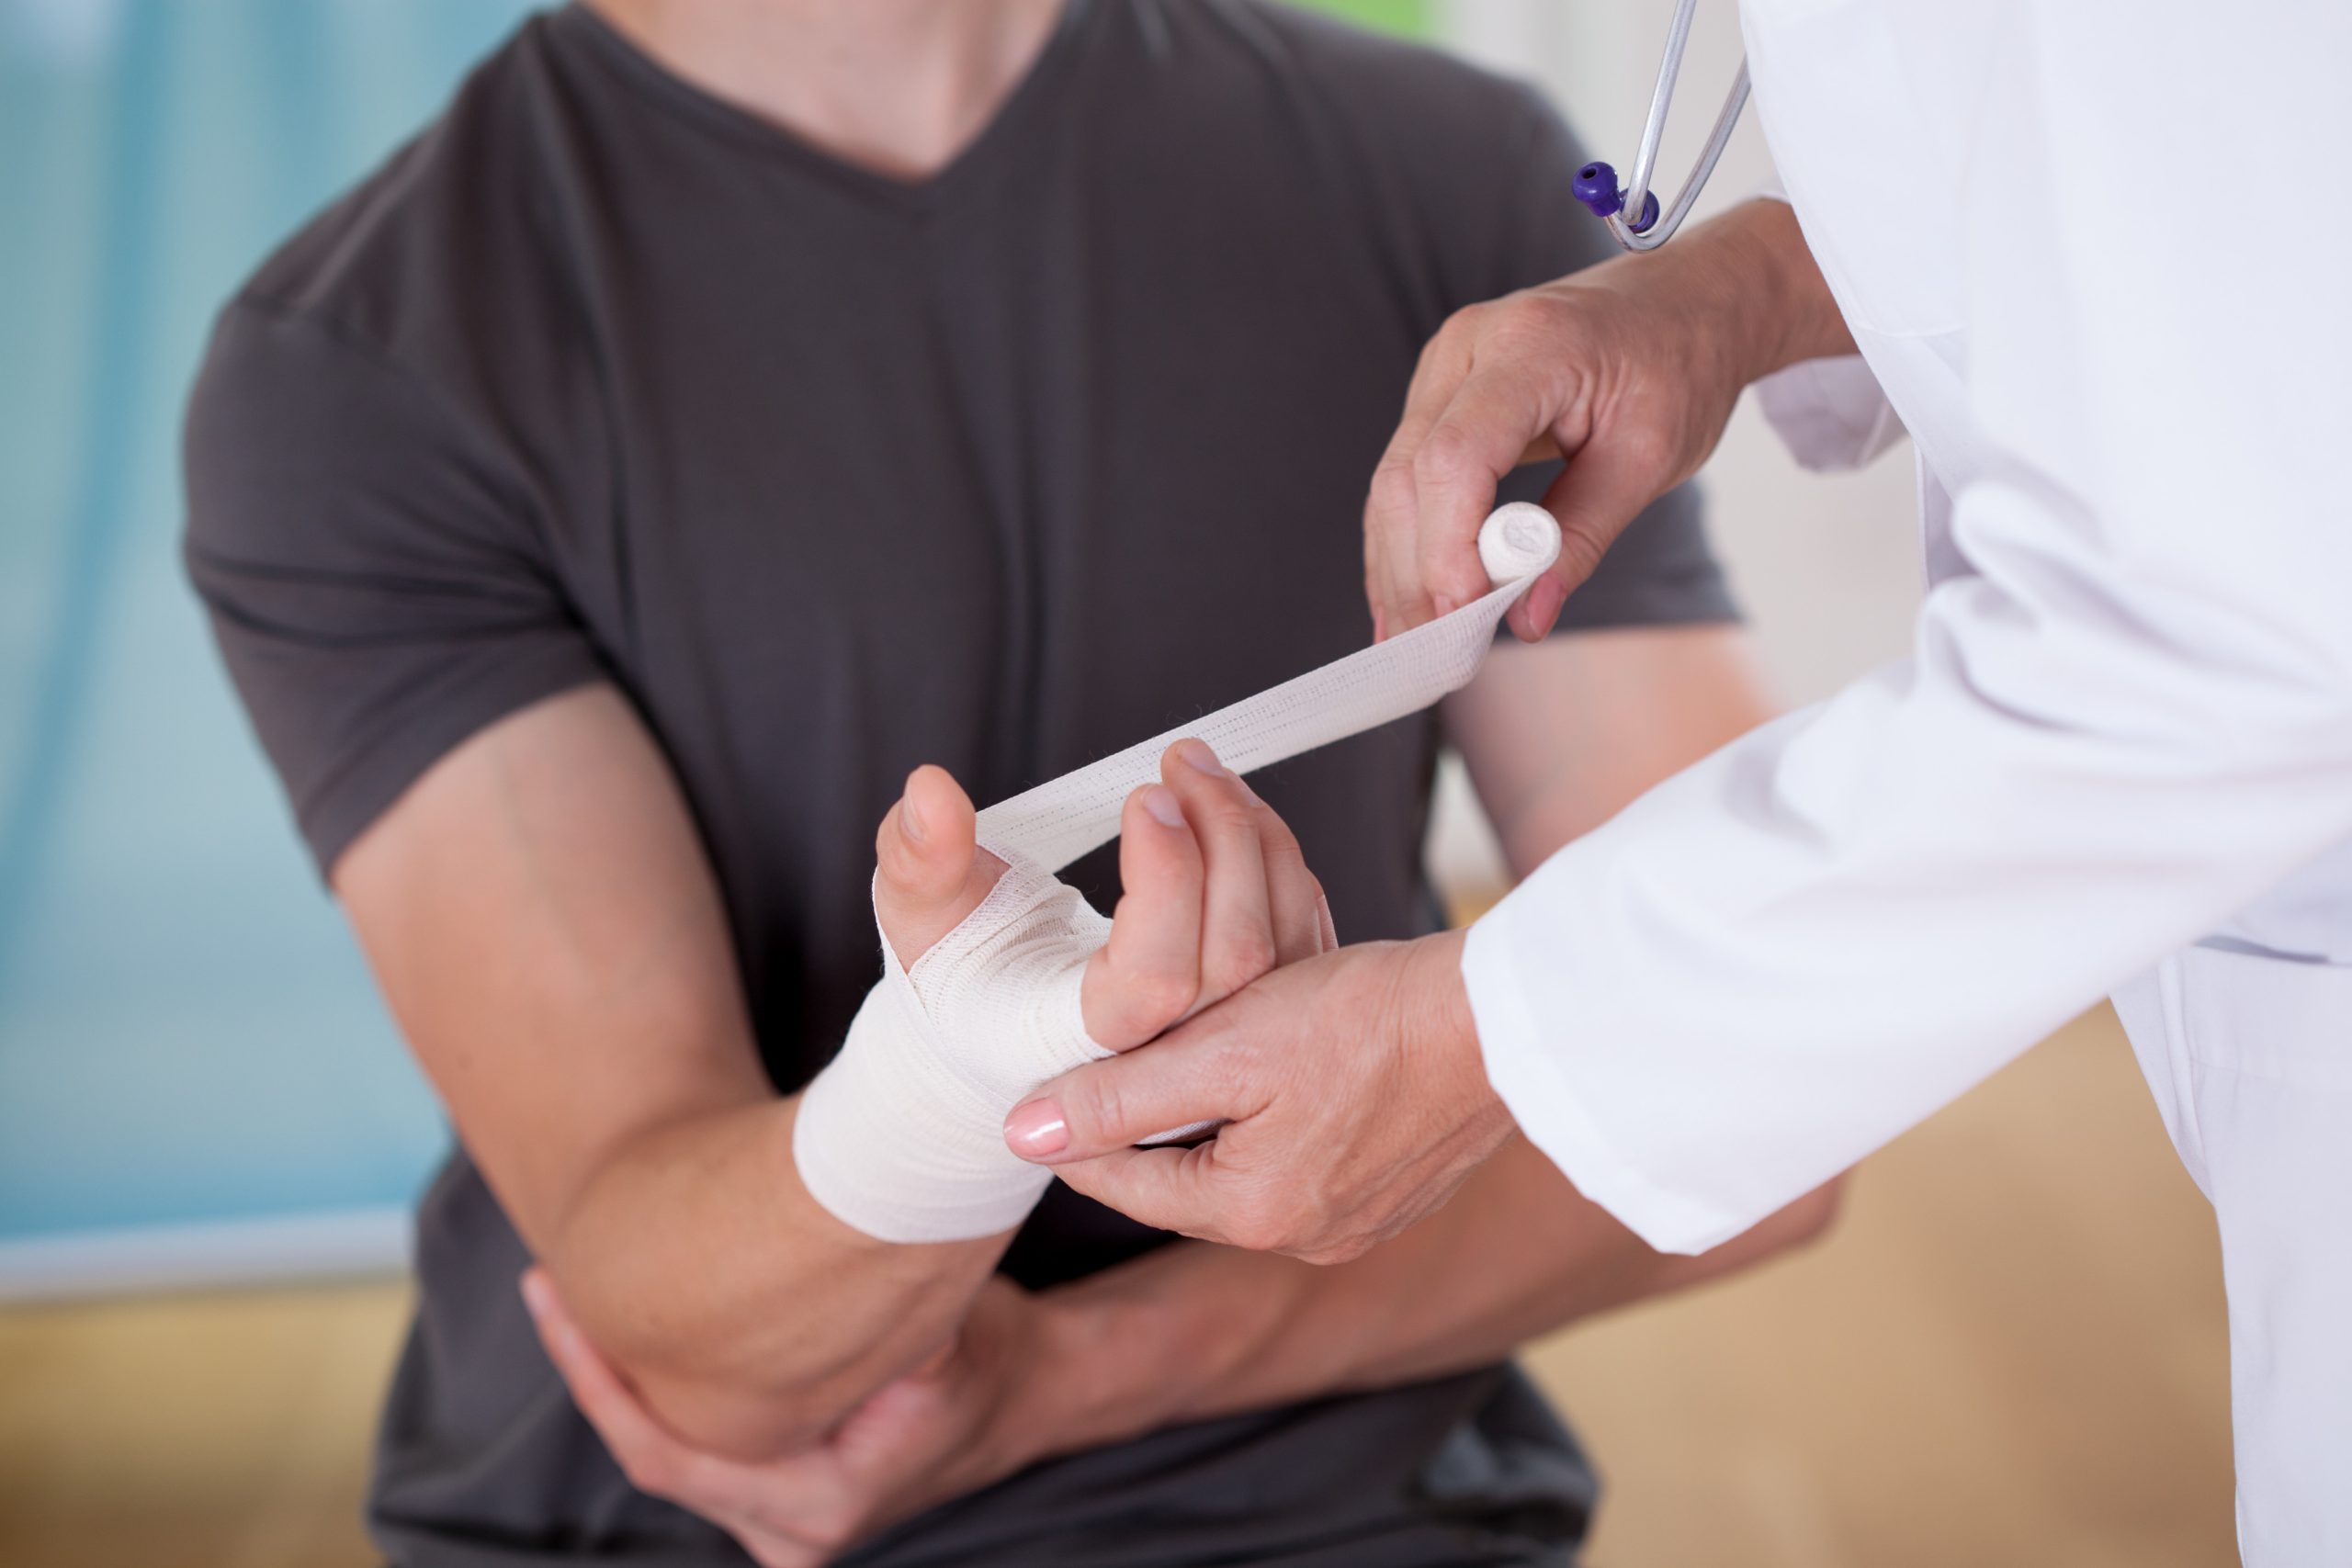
[901, 1136]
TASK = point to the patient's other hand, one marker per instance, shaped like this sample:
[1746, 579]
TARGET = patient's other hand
[1215, 891]
[973, 1415]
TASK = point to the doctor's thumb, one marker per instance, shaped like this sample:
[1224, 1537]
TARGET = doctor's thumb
[1113, 1104]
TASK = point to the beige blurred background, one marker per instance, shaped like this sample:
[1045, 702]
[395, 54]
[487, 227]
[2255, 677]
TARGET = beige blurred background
[2009, 1351]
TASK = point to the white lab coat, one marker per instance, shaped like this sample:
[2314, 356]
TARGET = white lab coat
[2097, 255]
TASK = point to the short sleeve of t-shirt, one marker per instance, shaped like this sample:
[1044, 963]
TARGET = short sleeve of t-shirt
[1661, 570]
[369, 562]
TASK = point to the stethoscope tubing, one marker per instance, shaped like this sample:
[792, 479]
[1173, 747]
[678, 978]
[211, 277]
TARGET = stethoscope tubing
[1638, 199]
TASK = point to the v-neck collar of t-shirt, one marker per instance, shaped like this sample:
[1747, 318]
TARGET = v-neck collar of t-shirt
[1016, 121]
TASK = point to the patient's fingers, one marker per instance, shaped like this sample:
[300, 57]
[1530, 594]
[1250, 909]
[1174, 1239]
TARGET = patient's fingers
[1146, 977]
[1237, 931]
[1293, 897]
[929, 874]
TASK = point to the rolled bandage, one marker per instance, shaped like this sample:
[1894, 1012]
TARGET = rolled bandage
[901, 1136]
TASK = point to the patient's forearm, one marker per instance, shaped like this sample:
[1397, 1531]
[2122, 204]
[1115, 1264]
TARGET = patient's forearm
[750, 1320]
[1197, 1331]
[543, 922]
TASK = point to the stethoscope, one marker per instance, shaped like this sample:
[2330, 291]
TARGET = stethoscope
[1596, 184]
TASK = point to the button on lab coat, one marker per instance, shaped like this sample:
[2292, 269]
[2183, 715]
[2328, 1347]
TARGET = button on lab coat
[2097, 257]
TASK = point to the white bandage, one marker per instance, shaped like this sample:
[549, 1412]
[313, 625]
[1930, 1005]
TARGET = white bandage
[901, 1136]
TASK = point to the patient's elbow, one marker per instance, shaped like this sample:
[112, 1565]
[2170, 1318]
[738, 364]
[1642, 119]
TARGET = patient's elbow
[743, 1423]
[707, 1383]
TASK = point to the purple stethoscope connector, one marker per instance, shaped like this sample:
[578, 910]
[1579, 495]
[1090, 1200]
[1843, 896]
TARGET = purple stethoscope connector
[1595, 187]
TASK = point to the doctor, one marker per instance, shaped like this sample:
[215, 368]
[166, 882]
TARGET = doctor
[2095, 258]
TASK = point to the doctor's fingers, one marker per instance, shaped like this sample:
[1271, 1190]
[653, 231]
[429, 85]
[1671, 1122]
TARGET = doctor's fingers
[1169, 1190]
[1146, 977]
[1436, 482]
[1399, 600]
[1199, 1073]
[1484, 431]
[1205, 1193]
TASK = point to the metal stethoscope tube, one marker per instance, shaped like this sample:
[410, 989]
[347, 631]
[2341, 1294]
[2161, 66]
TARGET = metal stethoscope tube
[1596, 184]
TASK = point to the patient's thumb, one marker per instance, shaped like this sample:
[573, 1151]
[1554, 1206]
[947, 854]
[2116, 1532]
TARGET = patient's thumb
[923, 862]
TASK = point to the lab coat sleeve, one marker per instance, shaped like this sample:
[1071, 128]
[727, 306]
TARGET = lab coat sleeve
[2136, 717]
[1830, 413]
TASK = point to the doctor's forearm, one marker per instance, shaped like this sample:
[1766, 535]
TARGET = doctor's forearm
[1748, 277]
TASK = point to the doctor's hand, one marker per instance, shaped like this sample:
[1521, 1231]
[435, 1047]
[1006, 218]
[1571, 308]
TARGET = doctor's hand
[1353, 1092]
[1629, 369]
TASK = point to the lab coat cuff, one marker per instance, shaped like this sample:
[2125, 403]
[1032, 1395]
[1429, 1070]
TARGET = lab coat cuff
[1545, 1101]
[1830, 413]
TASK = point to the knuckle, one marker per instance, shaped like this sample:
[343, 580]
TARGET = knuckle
[1444, 455]
[1090, 1100]
[1251, 1233]
[1159, 997]
[1393, 489]
[1243, 957]
[1257, 1224]
[1285, 861]
[893, 859]
[1463, 327]
[1523, 318]
[1227, 1066]
[1345, 1249]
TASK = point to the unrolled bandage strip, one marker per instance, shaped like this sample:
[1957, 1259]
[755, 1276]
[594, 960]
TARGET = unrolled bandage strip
[901, 1136]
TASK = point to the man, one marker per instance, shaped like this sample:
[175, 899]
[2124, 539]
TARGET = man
[2126, 726]
[725, 408]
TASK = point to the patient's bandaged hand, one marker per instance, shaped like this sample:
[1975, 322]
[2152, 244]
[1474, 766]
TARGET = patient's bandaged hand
[901, 1136]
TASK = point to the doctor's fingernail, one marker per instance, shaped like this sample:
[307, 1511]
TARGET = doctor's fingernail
[1543, 602]
[1160, 801]
[1037, 1130]
[910, 819]
[1443, 603]
[1198, 754]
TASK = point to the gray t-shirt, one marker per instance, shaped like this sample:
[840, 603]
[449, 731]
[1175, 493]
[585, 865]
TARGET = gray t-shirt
[602, 379]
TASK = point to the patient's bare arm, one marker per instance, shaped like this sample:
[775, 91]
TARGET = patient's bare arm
[540, 916]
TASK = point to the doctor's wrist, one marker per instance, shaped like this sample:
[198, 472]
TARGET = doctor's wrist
[1435, 1023]
[1786, 312]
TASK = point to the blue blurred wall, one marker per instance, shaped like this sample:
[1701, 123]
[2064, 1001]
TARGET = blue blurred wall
[187, 1034]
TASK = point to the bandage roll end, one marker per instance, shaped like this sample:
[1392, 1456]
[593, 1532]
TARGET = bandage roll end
[1517, 541]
